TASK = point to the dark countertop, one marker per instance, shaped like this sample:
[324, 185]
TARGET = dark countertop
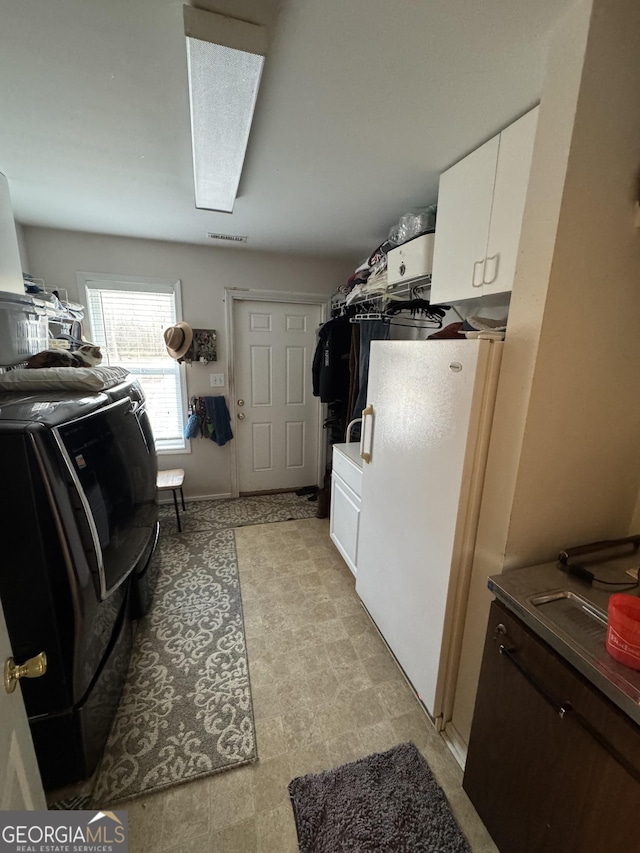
[573, 621]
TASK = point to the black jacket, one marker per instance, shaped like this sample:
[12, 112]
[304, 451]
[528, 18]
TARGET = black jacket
[331, 361]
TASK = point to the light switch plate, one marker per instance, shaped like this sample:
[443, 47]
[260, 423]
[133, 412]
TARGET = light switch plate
[217, 380]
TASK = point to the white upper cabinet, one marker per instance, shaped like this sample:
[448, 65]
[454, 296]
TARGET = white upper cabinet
[10, 266]
[509, 195]
[480, 205]
[462, 224]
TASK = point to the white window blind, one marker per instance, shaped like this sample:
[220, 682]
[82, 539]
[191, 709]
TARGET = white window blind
[127, 322]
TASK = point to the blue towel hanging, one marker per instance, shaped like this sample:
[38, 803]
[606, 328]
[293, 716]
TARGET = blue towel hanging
[218, 415]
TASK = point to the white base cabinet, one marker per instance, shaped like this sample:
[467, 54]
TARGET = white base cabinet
[346, 492]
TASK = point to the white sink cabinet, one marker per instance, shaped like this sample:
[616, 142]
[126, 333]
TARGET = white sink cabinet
[346, 492]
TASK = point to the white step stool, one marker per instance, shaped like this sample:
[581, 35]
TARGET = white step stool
[172, 479]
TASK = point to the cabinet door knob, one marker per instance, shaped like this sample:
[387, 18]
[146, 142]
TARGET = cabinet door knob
[32, 668]
[500, 631]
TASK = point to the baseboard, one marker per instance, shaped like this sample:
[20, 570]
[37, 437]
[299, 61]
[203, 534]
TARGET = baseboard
[457, 746]
[267, 492]
[196, 498]
[423, 707]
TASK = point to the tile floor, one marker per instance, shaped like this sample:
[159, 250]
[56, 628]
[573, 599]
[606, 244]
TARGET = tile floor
[325, 691]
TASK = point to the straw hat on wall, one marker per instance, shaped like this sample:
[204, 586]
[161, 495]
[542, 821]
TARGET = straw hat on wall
[178, 339]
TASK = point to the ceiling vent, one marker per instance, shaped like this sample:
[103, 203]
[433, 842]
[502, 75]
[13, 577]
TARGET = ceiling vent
[231, 238]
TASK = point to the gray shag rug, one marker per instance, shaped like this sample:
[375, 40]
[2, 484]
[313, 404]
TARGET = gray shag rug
[387, 801]
[186, 708]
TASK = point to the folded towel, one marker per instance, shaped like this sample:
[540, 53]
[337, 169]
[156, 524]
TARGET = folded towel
[218, 415]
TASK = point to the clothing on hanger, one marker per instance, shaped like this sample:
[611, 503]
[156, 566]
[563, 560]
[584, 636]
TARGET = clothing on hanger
[354, 373]
[370, 330]
[330, 371]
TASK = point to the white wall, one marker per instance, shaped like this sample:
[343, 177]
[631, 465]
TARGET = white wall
[565, 453]
[10, 267]
[204, 272]
[584, 420]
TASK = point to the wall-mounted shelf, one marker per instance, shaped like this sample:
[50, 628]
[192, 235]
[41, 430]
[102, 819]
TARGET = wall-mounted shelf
[61, 316]
[410, 288]
[57, 308]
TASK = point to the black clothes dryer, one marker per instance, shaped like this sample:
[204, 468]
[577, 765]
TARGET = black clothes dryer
[80, 520]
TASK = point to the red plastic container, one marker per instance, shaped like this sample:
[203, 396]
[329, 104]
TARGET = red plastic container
[623, 632]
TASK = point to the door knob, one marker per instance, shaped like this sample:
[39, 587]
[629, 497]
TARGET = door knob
[32, 668]
[240, 416]
[241, 402]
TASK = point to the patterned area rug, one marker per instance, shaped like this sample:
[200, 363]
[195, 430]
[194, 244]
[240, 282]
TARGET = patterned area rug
[237, 512]
[149, 723]
[387, 801]
[186, 708]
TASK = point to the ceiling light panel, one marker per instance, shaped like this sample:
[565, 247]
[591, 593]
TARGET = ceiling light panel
[225, 59]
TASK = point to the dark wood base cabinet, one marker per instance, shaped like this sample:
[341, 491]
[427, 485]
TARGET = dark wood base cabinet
[553, 766]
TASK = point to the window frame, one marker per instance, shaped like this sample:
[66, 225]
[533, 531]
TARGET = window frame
[133, 282]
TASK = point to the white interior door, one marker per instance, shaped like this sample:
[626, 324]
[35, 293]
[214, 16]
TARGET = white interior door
[277, 416]
[21, 788]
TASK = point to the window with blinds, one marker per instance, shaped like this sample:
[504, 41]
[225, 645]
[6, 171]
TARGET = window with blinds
[128, 321]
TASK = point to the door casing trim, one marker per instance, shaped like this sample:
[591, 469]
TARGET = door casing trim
[235, 294]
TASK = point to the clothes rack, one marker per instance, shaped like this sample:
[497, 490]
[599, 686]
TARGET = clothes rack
[413, 322]
[383, 306]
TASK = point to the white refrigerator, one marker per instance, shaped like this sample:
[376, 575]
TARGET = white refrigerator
[424, 441]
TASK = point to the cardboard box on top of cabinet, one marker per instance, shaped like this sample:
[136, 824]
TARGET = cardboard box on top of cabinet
[411, 260]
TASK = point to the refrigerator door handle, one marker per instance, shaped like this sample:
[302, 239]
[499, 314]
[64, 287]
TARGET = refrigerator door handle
[366, 454]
